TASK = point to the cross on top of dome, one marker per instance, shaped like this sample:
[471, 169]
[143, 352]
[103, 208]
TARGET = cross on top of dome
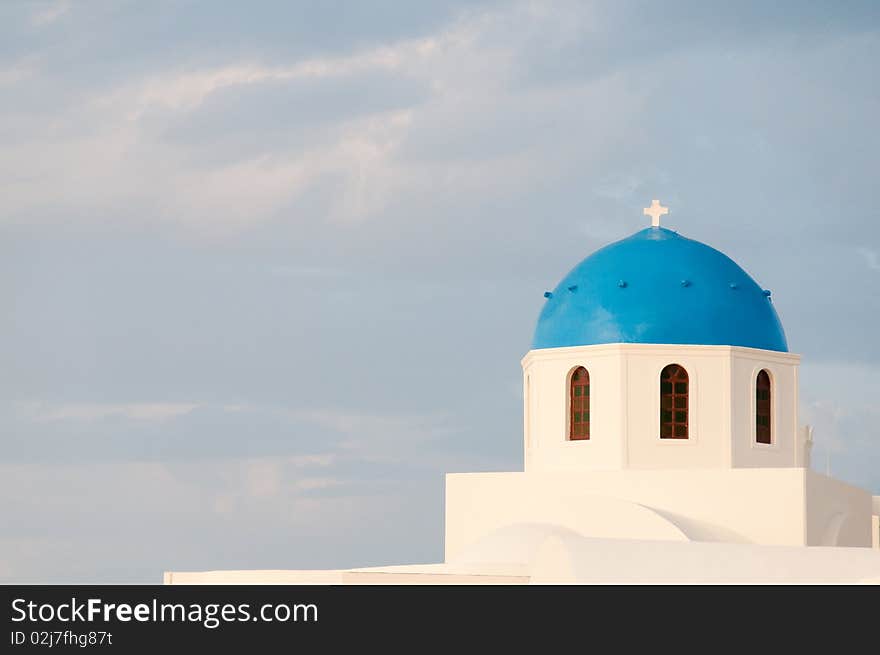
[655, 211]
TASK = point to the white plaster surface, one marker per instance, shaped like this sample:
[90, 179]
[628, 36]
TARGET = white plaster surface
[625, 408]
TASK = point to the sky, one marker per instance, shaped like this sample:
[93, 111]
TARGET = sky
[268, 269]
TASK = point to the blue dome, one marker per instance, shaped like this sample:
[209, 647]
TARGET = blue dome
[657, 286]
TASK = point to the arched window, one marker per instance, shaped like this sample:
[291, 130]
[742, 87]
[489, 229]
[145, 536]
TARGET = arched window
[762, 408]
[674, 402]
[579, 404]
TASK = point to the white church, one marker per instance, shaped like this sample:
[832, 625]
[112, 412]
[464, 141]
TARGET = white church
[661, 445]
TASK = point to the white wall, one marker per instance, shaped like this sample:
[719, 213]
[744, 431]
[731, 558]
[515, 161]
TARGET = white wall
[708, 408]
[786, 446]
[782, 506]
[546, 398]
[751, 505]
[625, 408]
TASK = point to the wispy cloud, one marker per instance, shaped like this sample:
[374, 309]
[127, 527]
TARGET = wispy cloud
[50, 14]
[105, 153]
[41, 412]
[265, 512]
[187, 90]
[181, 431]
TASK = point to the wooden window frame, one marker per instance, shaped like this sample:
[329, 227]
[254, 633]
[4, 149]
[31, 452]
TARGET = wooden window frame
[579, 404]
[764, 408]
[674, 402]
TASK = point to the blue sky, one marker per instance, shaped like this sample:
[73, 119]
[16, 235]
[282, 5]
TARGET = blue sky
[268, 270]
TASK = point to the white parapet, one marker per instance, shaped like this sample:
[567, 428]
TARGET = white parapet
[772, 506]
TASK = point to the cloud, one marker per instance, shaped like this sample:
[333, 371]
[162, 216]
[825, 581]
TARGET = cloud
[96, 411]
[123, 522]
[179, 431]
[111, 151]
[51, 13]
